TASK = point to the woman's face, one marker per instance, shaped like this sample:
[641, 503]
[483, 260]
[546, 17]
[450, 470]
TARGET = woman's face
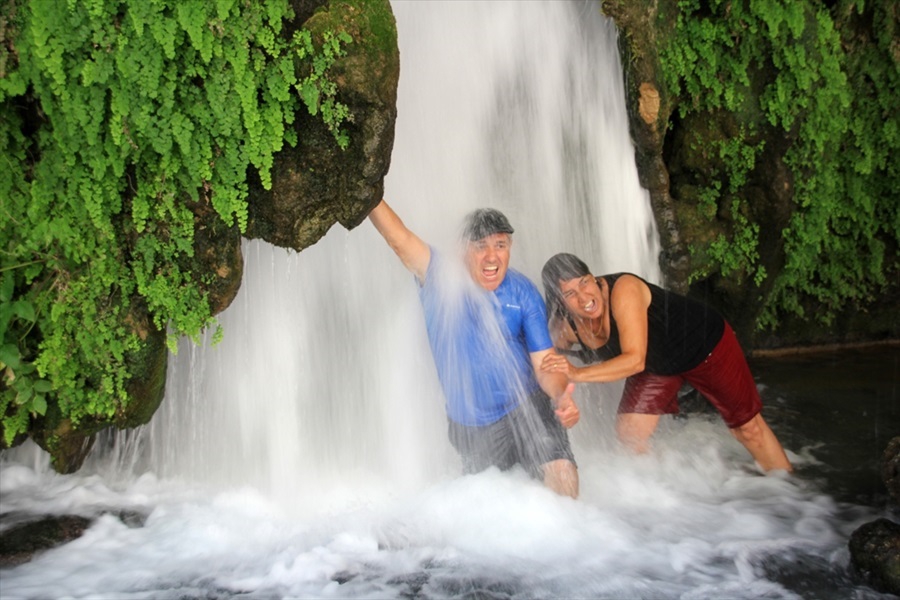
[582, 296]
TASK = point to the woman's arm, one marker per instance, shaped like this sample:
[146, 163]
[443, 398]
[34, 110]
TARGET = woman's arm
[558, 387]
[629, 300]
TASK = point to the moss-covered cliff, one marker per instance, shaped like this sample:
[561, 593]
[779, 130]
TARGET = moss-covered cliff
[767, 134]
[143, 140]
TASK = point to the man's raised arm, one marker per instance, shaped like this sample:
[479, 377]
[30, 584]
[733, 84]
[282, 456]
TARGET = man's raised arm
[413, 252]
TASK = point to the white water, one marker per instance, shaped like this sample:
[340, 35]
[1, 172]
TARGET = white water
[306, 456]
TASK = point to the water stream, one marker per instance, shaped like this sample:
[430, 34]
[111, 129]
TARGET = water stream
[306, 455]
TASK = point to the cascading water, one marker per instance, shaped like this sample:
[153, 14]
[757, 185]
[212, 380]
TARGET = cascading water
[306, 455]
[325, 370]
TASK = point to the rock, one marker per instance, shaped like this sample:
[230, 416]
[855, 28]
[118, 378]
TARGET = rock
[875, 554]
[890, 468]
[21, 540]
[316, 184]
[19, 543]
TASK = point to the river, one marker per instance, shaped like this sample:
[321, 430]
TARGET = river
[692, 520]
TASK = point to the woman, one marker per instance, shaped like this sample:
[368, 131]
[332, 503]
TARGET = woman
[620, 326]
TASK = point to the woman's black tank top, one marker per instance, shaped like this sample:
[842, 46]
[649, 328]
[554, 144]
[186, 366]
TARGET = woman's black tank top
[681, 332]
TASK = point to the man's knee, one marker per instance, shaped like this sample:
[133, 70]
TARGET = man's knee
[561, 476]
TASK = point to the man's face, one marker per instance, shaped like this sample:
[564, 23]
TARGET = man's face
[488, 259]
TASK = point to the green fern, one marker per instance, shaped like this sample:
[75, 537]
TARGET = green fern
[839, 106]
[147, 107]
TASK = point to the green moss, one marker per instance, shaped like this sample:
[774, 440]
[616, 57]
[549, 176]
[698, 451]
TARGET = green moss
[371, 24]
[124, 124]
[819, 87]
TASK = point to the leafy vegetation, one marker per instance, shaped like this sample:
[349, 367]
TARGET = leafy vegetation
[814, 72]
[120, 119]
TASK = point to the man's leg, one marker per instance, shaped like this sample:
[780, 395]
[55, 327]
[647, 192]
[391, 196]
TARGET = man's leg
[483, 447]
[634, 430]
[543, 445]
[758, 439]
[561, 476]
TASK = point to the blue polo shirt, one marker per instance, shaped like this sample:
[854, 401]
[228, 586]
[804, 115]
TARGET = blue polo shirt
[481, 340]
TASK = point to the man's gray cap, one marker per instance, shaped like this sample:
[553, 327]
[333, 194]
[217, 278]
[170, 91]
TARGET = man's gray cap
[484, 222]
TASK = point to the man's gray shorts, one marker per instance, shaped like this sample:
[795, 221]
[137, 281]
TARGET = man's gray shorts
[530, 436]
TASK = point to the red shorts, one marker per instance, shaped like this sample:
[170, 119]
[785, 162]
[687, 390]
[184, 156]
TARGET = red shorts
[723, 378]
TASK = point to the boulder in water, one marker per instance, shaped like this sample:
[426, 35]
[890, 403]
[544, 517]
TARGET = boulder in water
[875, 547]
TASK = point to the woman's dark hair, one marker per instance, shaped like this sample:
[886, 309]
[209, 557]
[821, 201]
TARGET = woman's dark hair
[560, 267]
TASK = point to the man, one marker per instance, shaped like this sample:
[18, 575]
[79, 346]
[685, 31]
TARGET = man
[488, 342]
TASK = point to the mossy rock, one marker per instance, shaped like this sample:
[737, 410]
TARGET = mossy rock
[317, 184]
[875, 554]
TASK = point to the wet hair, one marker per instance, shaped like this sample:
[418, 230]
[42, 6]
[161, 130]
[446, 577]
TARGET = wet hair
[560, 267]
[483, 222]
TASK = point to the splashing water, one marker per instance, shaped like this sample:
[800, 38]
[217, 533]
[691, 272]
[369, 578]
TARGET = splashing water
[306, 456]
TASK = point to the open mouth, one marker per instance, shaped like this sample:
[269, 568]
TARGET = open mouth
[490, 272]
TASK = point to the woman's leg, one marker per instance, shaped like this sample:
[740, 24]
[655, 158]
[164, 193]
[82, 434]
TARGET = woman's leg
[634, 430]
[645, 398]
[725, 380]
[762, 444]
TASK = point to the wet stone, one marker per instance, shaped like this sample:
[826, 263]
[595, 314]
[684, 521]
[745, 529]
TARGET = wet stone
[19, 543]
[890, 468]
[410, 584]
[25, 535]
[343, 577]
[875, 554]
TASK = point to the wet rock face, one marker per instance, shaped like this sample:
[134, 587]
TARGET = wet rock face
[649, 110]
[20, 541]
[875, 554]
[314, 185]
[890, 468]
[875, 547]
[317, 184]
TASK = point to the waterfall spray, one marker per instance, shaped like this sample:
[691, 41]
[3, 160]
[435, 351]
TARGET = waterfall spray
[325, 375]
[306, 456]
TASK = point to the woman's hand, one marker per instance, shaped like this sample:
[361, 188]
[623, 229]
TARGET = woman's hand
[556, 363]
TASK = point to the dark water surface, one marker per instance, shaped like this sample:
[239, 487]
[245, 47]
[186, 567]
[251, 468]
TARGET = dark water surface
[844, 403]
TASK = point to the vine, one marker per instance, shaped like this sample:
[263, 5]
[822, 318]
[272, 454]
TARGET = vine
[835, 101]
[120, 116]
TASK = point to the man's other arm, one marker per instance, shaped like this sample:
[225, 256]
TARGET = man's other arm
[558, 387]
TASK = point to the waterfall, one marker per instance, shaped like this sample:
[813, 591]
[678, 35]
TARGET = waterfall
[306, 456]
[324, 382]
